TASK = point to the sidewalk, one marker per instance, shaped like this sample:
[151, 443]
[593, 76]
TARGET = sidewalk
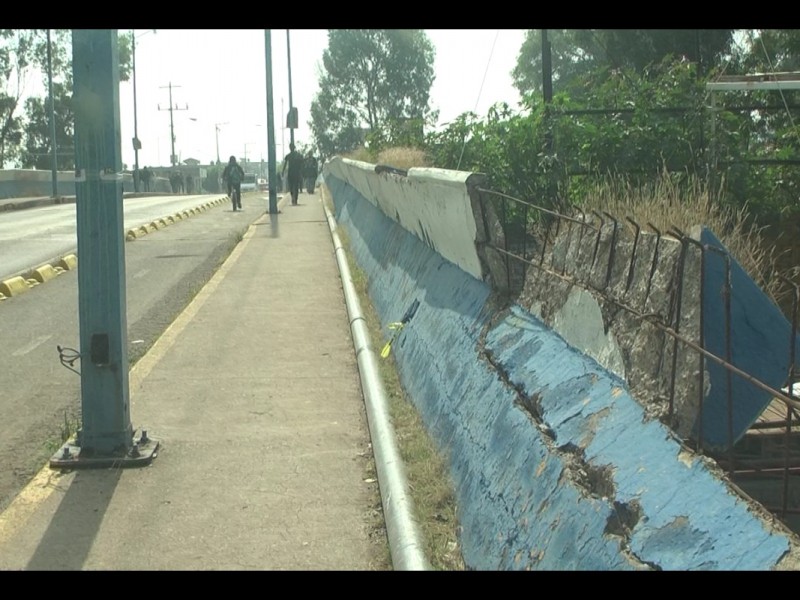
[254, 395]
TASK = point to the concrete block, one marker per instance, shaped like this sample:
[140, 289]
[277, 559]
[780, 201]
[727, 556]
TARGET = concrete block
[68, 262]
[44, 273]
[14, 286]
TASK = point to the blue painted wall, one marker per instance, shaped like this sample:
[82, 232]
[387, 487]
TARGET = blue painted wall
[578, 479]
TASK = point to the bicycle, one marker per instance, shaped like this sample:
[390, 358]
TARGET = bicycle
[236, 197]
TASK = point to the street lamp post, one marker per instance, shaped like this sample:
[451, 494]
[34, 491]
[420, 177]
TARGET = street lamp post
[54, 149]
[216, 133]
[137, 145]
[291, 106]
[246, 144]
[216, 136]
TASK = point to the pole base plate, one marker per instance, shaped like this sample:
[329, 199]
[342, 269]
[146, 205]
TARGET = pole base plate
[140, 454]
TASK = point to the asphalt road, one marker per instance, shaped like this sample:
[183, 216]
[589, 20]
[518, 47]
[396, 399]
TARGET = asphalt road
[32, 237]
[40, 398]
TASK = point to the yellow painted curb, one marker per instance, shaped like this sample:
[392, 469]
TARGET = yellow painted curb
[68, 262]
[44, 273]
[14, 286]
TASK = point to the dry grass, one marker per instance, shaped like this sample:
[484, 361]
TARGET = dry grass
[670, 203]
[400, 158]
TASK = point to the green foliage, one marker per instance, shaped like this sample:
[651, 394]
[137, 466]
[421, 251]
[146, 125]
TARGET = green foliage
[17, 57]
[25, 137]
[612, 122]
[375, 86]
[577, 52]
[768, 51]
[38, 147]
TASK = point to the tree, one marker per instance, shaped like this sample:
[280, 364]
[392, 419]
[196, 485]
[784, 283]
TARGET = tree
[577, 52]
[568, 59]
[640, 48]
[29, 139]
[17, 58]
[374, 81]
[38, 146]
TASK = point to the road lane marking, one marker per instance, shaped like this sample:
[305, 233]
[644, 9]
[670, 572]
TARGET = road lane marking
[35, 343]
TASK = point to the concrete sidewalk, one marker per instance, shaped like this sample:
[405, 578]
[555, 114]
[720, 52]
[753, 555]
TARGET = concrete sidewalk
[264, 459]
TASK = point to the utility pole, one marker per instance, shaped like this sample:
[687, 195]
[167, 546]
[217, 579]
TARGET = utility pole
[292, 119]
[52, 115]
[272, 176]
[216, 134]
[106, 437]
[173, 157]
[136, 143]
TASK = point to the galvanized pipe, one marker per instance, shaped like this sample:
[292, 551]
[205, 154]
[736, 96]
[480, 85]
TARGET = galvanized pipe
[402, 529]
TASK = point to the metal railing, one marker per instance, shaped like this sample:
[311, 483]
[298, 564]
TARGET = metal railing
[532, 234]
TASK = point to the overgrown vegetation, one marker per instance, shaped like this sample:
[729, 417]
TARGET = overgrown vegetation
[678, 202]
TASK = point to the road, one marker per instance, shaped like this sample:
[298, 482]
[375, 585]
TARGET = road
[29, 238]
[40, 398]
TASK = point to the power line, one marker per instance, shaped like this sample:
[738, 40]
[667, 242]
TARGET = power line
[480, 91]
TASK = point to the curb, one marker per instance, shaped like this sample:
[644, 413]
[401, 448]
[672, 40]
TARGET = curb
[14, 286]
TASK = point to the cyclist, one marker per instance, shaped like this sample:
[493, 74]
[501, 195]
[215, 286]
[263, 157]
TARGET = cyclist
[232, 175]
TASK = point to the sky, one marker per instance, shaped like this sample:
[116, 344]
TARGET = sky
[216, 79]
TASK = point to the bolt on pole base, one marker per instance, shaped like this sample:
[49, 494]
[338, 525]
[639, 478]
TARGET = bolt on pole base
[141, 454]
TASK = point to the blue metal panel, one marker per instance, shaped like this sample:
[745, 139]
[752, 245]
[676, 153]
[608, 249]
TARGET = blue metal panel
[760, 346]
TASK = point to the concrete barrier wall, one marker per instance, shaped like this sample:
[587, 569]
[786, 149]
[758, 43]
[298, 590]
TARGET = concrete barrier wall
[433, 204]
[555, 465]
[31, 183]
[682, 285]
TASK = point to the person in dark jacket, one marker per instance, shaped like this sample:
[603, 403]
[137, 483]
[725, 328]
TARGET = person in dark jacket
[310, 172]
[293, 169]
[232, 175]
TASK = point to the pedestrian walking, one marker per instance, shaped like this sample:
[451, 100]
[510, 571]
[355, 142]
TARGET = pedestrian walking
[293, 170]
[147, 176]
[232, 175]
[310, 172]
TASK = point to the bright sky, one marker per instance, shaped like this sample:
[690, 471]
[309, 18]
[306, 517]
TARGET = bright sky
[219, 77]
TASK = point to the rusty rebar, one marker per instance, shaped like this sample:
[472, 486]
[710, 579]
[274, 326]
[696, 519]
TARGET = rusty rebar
[632, 263]
[726, 297]
[611, 249]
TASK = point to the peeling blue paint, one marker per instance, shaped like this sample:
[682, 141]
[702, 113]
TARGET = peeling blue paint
[526, 501]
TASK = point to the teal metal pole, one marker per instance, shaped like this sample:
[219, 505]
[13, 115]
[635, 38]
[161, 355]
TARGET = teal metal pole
[106, 426]
[273, 175]
[54, 149]
[289, 66]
